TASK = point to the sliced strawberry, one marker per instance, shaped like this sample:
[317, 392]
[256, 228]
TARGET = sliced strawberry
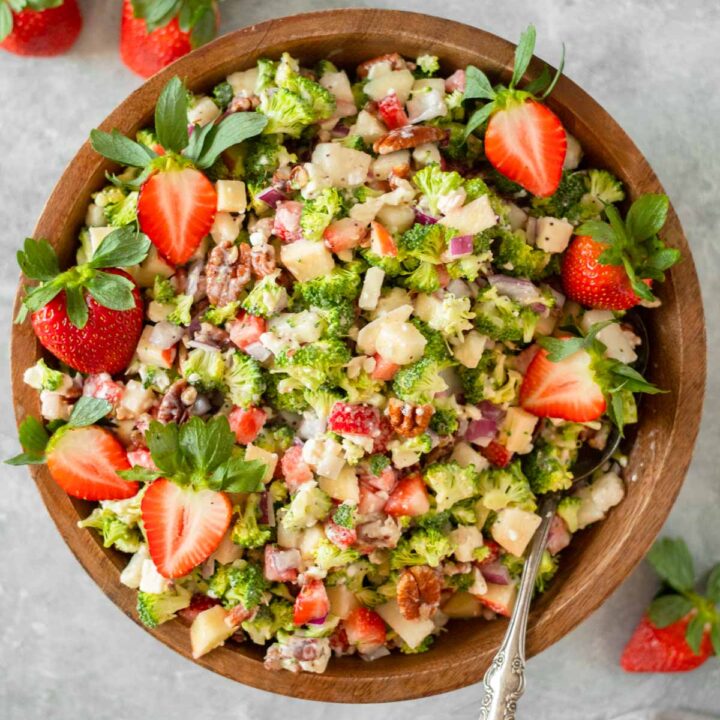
[198, 604]
[384, 369]
[183, 526]
[588, 282]
[85, 461]
[383, 436]
[344, 234]
[385, 481]
[281, 565]
[365, 629]
[653, 649]
[456, 81]
[246, 330]
[410, 497]
[311, 604]
[496, 453]
[176, 210]
[351, 419]
[526, 142]
[493, 555]
[370, 502]
[142, 458]
[392, 112]
[287, 221]
[103, 387]
[246, 423]
[381, 241]
[294, 469]
[341, 536]
[566, 389]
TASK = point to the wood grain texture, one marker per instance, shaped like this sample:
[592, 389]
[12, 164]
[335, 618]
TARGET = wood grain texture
[600, 558]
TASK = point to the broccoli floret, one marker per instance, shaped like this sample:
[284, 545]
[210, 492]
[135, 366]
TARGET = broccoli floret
[451, 483]
[355, 142]
[262, 157]
[163, 291]
[338, 319]
[426, 546]
[476, 187]
[434, 184]
[425, 242]
[515, 257]
[547, 470]
[465, 512]
[246, 531]
[424, 646]
[325, 67]
[459, 148]
[344, 515]
[266, 74]
[285, 393]
[316, 364]
[275, 439]
[461, 582]
[513, 564]
[504, 185]
[241, 582]
[424, 278]
[329, 290]
[419, 382]
[269, 620]
[318, 213]
[267, 297]
[502, 318]
[308, 506]
[123, 212]
[392, 266]
[603, 189]
[546, 571]
[205, 368]
[568, 510]
[223, 94]
[181, 312]
[352, 575]
[115, 532]
[502, 487]
[361, 389]
[154, 609]
[328, 556]
[244, 380]
[377, 463]
[319, 99]
[466, 268]
[279, 491]
[420, 445]
[444, 421]
[436, 348]
[42, 377]
[322, 400]
[563, 203]
[428, 64]
[286, 112]
[220, 315]
[453, 316]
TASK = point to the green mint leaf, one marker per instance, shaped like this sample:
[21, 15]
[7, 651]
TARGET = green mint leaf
[647, 216]
[477, 84]
[557, 75]
[121, 248]
[206, 445]
[197, 142]
[38, 260]
[76, 306]
[713, 584]
[667, 609]
[639, 287]
[617, 411]
[598, 231]
[633, 380]
[26, 458]
[164, 445]
[88, 410]
[231, 131]
[694, 633]
[6, 20]
[204, 28]
[478, 118]
[238, 475]
[112, 291]
[171, 116]
[558, 349]
[135, 183]
[523, 54]
[715, 637]
[34, 439]
[672, 561]
[21, 315]
[40, 296]
[139, 474]
[120, 149]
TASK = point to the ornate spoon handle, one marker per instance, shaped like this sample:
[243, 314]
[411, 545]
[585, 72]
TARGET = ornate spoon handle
[504, 681]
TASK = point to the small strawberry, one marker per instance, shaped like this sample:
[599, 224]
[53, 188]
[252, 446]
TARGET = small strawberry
[350, 419]
[246, 423]
[392, 112]
[246, 330]
[311, 604]
[41, 28]
[152, 35]
[524, 139]
[681, 629]
[497, 454]
[611, 266]
[90, 316]
[294, 469]
[365, 629]
[409, 497]
[344, 234]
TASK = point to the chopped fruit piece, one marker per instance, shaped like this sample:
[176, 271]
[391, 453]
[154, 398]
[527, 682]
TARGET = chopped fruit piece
[344, 234]
[287, 221]
[370, 502]
[392, 112]
[497, 454]
[246, 330]
[499, 598]
[209, 630]
[349, 419]
[381, 241]
[246, 423]
[365, 629]
[410, 497]
[42, 29]
[281, 565]
[384, 369]
[198, 604]
[341, 536]
[311, 604]
[294, 469]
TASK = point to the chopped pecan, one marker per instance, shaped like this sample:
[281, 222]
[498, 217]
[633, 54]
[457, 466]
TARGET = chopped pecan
[395, 60]
[243, 104]
[262, 260]
[418, 592]
[409, 136]
[172, 408]
[408, 420]
[208, 334]
[227, 272]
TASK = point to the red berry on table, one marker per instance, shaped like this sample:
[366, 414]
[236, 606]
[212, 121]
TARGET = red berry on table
[42, 28]
[312, 603]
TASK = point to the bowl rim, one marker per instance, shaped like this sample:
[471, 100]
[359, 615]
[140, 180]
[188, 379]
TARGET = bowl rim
[380, 682]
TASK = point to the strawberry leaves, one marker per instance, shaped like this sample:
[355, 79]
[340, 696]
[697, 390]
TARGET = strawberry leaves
[120, 149]
[194, 16]
[8, 7]
[171, 116]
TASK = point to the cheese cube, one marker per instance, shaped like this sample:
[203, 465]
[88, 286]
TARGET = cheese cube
[153, 265]
[306, 259]
[225, 227]
[231, 196]
[552, 234]
[396, 218]
[97, 235]
[466, 539]
[513, 529]
[401, 343]
[344, 167]
[517, 430]
[382, 166]
[470, 350]
[136, 399]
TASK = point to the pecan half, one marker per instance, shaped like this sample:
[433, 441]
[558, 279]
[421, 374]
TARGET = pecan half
[418, 592]
[409, 136]
[243, 104]
[408, 420]
[227, 272]
[262, 260]
[396, 63]
[172, 406]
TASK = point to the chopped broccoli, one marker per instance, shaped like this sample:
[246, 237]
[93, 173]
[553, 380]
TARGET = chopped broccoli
[453, 316]
[377, 463]
[361, 389]
[502, 318]
[344, 516]
[318, 213]
[436, 348]
[461, 582]
[426, 242]
[426, 546]
[392, 266]
[546, 571]
[262, 157]
[504, 185]
[42, 377]
[352, 575]
[337, 319]
[515, 257]
[329, 290]
[163, 291]
[467, 268]
[501, 487]
[320, 100]
[451, 483]
[246, 532]
[424, 278]
[221, 315]
[424, 646]
[181, 313]
[156, 608]
[563, 203]
[267, 297]
[322, 400]
[514, 565]
[476, 187]
[123, 212]
[420, 445]
[205, 368]
[308, 506]
[328, 556]
[603, 189]
[244, 380]
[419, 382]
[285, 393]
[568, 510]
[355, 142]
[115, 532]
[434, 184]
[241, 582]
[223, 94]
[266, 74]
[316, 364]
[286, 112]
[459, 148]
[279, 491]
[325, 67]
[547, 469]
[269, 619]
[428, 65]
[465, 512]
[444, 421]
[490, 380]
[275, 439]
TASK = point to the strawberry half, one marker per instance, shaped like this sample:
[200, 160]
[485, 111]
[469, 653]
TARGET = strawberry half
[410, 497]
[42, 30]
[176, 210]
[497, 454]
[312, 604]
[84, 462]
[246, 423]
[566, 389]
[365, 629]
[183, 526]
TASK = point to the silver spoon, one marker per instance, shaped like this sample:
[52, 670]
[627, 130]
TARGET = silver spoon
[504, 681]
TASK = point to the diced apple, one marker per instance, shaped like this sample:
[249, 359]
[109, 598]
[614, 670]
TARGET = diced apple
[413, 632]
[153, 265]
[131, 574]
[499, 598]
[227, 551]
[231, 196]
[465, 539]
[552, 234]
[310, 538]
[244, 82]
[399, 82]
[368, 127]
[344, 487]
[151, 354]
[306, 259]
[513, 529]
[344, 167]
[339, 85]
[367, 337]
[463, 605]
[136, 399]
[159, 312]
[209, 630]
[372, 286]
[225, 227]
[472, 218]
[574, 152]
[151, 581]
[463, 454]
[253, 452]
[342, 601]
[427, 100]
[97, 235]
[516, 433]
[426, 306]
[401, 343]
[396, 218]
[517, 217]
[204, 111]
[470, 350]
[616, 340]
[383, 165]
[287, 538]
[426, 154]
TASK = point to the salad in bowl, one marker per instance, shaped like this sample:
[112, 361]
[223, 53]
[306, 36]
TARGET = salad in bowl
[330, 337]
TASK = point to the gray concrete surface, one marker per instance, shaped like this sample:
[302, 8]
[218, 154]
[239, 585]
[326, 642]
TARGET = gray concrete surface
[66, 651]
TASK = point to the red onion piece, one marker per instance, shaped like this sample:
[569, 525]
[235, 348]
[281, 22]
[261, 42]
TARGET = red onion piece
[461, 245]
[424, 218]
[491, 411]
[340, 130]
[318, 621]
[271, 196]
[540, 309]
[558, 536]
[516, 288]
[267, 510]
[496, 572]
[484, 429]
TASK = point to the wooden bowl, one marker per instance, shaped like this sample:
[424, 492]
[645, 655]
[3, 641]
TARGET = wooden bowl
[601, 557]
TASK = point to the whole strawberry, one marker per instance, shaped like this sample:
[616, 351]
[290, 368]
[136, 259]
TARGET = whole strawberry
[681, 629]
[154, 34]
[90, 316]
[39, 27]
